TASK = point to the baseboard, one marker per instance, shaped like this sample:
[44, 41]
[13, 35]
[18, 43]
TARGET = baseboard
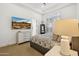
[23, 42]
[13, 44]
[8, 45]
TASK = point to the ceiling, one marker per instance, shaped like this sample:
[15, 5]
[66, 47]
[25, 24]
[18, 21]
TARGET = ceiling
[41, 8]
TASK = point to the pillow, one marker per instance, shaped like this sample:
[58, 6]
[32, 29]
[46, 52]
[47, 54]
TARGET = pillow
[59, 39]
[55, 37]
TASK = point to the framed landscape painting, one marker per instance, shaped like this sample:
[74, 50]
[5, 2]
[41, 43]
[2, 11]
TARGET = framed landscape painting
[21, 23]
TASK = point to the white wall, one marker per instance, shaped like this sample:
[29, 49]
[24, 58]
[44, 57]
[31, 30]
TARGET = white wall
[63, 12]
[77, 10]
[7, 35]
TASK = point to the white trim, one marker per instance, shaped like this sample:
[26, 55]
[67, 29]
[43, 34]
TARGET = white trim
[60, 8]
[44, 12]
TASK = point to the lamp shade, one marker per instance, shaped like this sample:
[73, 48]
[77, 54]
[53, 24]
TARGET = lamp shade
[68, 27]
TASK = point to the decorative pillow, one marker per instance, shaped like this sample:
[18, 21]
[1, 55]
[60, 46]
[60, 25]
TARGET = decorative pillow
[59, 39]
[55, 37]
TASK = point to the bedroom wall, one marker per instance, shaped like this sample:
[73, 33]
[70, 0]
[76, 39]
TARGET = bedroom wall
[68, 11]
[77, 10]
[7, 35]
[65, 12]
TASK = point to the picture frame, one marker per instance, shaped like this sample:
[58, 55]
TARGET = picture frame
[21, 23]
[42, 28]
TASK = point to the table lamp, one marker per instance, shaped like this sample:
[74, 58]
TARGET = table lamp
[67, 28]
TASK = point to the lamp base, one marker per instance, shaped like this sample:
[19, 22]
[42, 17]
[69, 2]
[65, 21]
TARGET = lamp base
[65, 46]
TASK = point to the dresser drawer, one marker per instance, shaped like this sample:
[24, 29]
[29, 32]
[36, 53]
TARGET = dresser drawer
[24, 36]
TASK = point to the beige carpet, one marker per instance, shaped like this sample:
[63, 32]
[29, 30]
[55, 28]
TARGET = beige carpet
[19, 50]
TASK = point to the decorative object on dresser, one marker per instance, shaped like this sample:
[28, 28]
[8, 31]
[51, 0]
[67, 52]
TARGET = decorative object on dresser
[67, 28]
[23, 36]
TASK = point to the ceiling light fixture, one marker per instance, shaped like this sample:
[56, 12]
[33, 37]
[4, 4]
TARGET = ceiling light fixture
[43, 5]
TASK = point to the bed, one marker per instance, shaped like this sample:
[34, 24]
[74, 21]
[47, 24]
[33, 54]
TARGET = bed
[43, 43]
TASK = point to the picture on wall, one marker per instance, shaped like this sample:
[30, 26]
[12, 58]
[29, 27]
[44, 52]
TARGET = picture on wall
[21, 23]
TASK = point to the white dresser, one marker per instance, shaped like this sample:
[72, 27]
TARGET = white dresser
[23, 36]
